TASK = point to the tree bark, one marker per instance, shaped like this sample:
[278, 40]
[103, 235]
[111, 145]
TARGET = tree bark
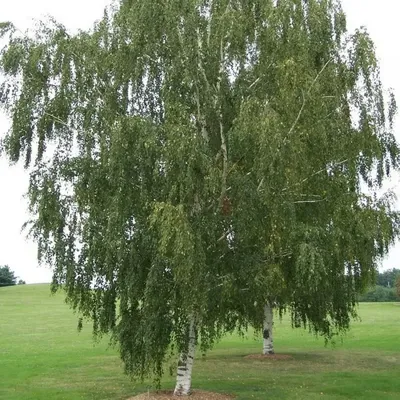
[185, 365]
[268, 346]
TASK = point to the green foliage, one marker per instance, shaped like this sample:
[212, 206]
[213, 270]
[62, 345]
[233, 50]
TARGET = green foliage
[379, 294]
[21, 282]
[388, 278]
[397, 285]
[6, 27]
[7, 277]
[385, 288]
[192, 161]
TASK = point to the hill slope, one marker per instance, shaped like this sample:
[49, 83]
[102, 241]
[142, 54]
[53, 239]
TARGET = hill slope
[42, 356]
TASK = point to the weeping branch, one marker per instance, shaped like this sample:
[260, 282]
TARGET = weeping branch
[314, 174]
[305, 99]
[224, 150]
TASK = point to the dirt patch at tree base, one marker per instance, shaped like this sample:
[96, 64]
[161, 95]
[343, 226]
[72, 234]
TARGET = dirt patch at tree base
[169, 395]
[270, 357]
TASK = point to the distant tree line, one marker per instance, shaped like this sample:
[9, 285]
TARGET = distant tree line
[8, 278]
[387, 287]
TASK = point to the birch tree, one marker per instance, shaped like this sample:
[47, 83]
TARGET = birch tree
[188, 159]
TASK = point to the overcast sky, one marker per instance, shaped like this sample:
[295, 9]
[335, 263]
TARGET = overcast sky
[379, 16]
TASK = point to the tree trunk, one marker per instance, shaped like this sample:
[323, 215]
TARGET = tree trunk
[268, 347]
[185, 365]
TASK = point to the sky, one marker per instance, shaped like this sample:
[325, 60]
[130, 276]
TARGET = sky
[379, 16]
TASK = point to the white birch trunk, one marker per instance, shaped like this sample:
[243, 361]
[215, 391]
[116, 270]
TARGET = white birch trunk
[268, 346]
[185, 365]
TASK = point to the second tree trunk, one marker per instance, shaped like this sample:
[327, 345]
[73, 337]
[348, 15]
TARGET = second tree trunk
[268, 346]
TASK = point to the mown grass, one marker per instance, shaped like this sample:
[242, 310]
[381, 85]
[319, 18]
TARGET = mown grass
[42, 356]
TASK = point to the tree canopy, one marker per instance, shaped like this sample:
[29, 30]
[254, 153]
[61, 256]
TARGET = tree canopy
[190, 159]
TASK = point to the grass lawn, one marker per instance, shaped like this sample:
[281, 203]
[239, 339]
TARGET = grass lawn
[42, 356]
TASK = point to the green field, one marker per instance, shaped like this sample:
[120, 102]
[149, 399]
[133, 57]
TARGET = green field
[42, 356]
